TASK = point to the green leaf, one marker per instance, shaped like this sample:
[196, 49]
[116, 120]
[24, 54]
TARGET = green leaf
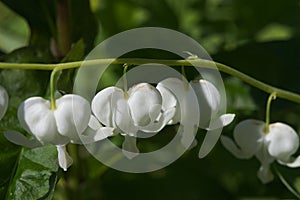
[76, 53]
[35, 174]
[40, 16]
[8, 156]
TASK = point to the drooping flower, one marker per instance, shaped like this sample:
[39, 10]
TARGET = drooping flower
[167, 88]
[210, 101]
[3, 101]
[279, 144]
[58, 126]
[179, 94]
[205, 108]
[139, 109]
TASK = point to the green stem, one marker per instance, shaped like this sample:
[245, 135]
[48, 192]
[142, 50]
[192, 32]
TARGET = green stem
[139, 61]
[58, 68]
[271, 97]
[52, 89]
[125, 81]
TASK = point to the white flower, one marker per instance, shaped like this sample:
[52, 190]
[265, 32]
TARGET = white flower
[57, 126]
[211, 119]
[128, 113]
[169, 99]
[210, 101]
[280, 143]
[3, 101]
[179, 94]
[176, 92]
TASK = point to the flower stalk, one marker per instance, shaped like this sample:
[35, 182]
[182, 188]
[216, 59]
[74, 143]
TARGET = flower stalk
[280, 93]
[271, 97]
[125, 81]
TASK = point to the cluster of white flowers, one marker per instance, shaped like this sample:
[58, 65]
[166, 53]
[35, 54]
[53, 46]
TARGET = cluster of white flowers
[143, 108]
[147, 109]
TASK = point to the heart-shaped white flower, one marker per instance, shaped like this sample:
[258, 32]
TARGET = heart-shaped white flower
[210, 101]
[207, 105]
[59, 126]
[129, 113]
[280, 143]
[179, 94]
[3, 101]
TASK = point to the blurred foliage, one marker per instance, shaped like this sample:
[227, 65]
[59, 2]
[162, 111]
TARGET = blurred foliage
[13, 30]
[260, 38]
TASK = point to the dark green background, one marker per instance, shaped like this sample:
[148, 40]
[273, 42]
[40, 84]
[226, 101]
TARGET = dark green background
[260, 38]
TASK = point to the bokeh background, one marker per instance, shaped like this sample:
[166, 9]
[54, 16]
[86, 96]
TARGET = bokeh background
[259, 38]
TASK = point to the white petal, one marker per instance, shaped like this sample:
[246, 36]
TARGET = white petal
[221, 121]
[208, 99]
[19, 139]
[36, 117]
[175, 86]
[94, 123]
[263, 155]
[72, 115]
[264, 174]
[190, 115]
[102, 105]
[157, 126]
[103, 133]
[205, 90]
[91, 136]
[294, 162]
[3, 101]
[171, 88]
[122, 117]
[283, 141]
[145, 103]
[64, 159]
[232, 148]
[169, 101]
[185, 95]
[189, 107]
[249, 135]
[129, 147]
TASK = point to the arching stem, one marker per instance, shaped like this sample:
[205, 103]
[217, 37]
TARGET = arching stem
[280, 93]
[271, 97]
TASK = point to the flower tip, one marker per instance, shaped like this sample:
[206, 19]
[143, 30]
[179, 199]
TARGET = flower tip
[129, 155]
[64, 159]
[129, 147]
